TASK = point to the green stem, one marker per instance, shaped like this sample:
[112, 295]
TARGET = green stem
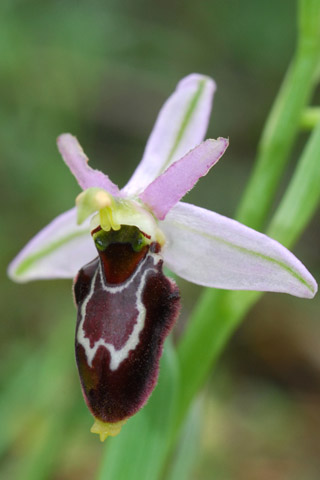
[207, 334]
[310, 118]
[302, 196]
[218, 313]
[284, 120]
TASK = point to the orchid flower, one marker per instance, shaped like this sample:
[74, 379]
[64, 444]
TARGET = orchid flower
[126, 305]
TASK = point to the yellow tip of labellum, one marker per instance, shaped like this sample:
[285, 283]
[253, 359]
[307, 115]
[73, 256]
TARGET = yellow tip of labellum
[105, 429]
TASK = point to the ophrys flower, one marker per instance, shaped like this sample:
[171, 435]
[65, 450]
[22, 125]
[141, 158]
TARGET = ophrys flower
[126, 306]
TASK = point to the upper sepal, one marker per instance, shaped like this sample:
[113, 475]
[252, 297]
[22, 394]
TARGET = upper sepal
[181, 125]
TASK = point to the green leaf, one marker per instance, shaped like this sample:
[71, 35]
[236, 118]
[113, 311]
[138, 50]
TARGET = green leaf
[40, 376]
[139, 451]
[189, 445]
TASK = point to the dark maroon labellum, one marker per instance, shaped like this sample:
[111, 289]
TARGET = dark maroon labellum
[126, 308]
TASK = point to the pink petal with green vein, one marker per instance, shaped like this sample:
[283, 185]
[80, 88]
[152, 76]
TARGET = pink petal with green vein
[181, 125]
[209, 249]
[77, 161]
[57, 251]
[167, 189]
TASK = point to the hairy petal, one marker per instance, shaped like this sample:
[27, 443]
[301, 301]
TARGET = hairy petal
[180, 126]
[57, 251]
[167, 189]
[77, 161]
[209, 249]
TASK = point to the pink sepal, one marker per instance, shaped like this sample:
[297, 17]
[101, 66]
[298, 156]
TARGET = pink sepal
[58, 251]
[181, 125]
[212, 250]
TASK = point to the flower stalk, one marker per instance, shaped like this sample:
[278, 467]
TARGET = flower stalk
[218, 313]
[284, 121]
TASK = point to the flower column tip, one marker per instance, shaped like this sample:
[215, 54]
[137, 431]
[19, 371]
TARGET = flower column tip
[92, 200]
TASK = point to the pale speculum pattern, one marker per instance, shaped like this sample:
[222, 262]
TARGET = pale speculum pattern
[124, 315]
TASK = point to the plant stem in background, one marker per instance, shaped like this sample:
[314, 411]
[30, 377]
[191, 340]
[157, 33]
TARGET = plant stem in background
[302, 196]
[218, 313]
[284, 120]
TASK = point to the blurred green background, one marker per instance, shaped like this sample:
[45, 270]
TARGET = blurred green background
[101, 70]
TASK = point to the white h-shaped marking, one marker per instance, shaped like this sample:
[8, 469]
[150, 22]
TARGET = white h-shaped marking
[117, 356]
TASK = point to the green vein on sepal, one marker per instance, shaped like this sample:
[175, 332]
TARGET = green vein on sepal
[248, 252]
[186, 119]
[29, 261]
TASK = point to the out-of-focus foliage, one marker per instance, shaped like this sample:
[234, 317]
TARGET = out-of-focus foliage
[101, 70]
